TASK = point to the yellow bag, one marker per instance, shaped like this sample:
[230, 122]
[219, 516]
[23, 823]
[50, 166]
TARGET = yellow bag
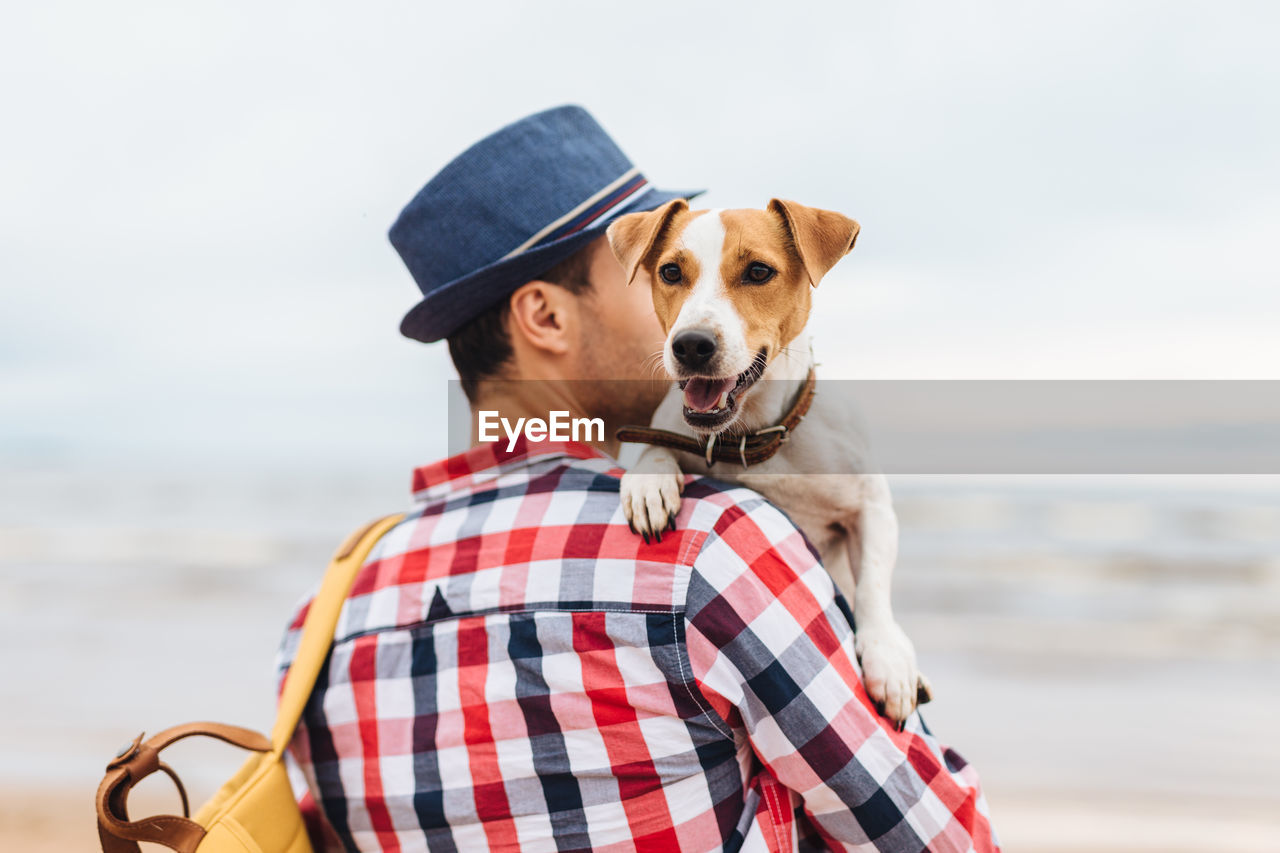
[255, 811]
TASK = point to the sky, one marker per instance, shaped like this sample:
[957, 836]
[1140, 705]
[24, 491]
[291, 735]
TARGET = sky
[194, 199]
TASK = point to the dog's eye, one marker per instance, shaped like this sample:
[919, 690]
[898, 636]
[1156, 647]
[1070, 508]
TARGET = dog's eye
[758, 273]
[670, 273]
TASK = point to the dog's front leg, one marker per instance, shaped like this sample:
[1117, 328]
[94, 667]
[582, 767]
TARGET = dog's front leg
[651, 493]
[887, 656]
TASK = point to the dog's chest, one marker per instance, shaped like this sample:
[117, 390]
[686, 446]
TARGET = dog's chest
[815, 477]
[814, 502]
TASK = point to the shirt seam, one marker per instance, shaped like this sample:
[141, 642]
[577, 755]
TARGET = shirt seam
[502, 611]
[682, 644]
[690, 683]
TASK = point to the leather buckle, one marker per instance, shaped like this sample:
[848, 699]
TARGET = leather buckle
[127, 752]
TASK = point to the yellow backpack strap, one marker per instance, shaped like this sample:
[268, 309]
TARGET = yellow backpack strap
[318, 628]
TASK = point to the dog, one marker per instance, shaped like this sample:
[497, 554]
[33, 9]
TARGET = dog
[732, 290]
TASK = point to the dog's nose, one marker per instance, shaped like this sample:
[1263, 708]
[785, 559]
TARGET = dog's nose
[693, 347]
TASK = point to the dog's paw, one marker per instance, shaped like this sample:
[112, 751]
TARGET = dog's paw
[924, 690]
[889, 670]
[650, 501]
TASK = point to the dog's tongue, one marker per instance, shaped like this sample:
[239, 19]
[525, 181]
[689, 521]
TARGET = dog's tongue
[701, 395]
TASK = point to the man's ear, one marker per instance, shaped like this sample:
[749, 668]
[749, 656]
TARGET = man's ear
[633, 235]
[540, 314]
[822, 237]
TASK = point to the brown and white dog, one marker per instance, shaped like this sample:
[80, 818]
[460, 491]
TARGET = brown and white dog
[732, 291]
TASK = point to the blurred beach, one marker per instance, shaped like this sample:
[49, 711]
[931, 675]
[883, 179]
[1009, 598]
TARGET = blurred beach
[1105, 650]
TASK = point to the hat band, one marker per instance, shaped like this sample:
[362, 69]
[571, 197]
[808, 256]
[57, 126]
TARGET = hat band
[616, 195]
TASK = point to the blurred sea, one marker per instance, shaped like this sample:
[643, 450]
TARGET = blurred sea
[1105, 650]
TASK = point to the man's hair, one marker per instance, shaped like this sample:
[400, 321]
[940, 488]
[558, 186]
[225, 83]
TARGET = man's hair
[482, 347]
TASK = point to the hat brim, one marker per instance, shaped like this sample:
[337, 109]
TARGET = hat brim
[449, 307]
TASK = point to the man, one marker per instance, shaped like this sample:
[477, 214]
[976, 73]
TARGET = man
[514, 668]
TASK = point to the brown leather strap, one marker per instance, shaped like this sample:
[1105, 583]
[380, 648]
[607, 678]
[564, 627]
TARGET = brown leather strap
[746, 450]
[139, 760]
[182, 789]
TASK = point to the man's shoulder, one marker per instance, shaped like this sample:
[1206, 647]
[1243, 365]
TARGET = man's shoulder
[707, 504]
[754, 568]
[705, 501]
[344, 546]
[732, 510]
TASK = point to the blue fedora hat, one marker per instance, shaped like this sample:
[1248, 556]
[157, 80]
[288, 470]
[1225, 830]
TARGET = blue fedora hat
[509, 208]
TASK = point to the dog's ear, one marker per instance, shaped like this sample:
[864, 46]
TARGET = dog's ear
[633, 235]
[821, 237]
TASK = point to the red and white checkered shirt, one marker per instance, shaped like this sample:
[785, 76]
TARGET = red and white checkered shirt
[515, 669]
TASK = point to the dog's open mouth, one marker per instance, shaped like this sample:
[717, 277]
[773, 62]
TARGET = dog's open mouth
[711, 402]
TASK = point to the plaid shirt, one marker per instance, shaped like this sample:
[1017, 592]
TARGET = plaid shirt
[515, 669]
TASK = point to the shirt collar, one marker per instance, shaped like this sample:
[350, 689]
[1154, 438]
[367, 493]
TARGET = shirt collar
[485, 463]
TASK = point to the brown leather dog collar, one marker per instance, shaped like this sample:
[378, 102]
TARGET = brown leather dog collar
[747, 449]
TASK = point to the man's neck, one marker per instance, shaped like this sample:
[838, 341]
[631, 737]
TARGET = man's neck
[530, 400]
